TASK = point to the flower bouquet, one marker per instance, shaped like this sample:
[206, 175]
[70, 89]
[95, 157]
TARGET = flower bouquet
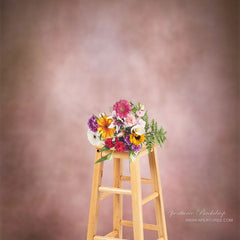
[125, 129]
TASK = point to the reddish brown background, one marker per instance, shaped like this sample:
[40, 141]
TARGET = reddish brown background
[63, 60]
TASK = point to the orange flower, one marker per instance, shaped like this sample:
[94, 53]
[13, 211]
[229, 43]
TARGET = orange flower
[104, 122]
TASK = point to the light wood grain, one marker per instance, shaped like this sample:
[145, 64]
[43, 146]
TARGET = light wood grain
[115, 190]
[145, 225]
[107, 238]
[95, 198]
[136, 200]
[112, 234]
[158, 202]
[149, 198]
[100, 192]
[143, 180]
[117, 198]
[104, 195]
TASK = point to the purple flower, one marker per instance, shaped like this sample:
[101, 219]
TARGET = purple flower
[127, 140]
[92, 124]
[136, 148]
[126, 148]
[117, 122]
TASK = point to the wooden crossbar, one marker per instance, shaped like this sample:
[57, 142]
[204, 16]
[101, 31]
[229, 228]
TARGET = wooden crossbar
[112, 234]
[115, 190]
[143, 180]
[104, 195]
[145, 225]
[149, 198]
[107, 238]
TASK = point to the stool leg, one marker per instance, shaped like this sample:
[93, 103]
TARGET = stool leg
[159, 208]
[117, 198]
[136, 200]
[94, 205]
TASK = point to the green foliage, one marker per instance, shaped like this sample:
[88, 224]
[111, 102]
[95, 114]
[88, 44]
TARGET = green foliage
[135, 108]
[145, 118]
[95, 116]
[106, 157]
[154, 135]
[132, 156]
[104, 148]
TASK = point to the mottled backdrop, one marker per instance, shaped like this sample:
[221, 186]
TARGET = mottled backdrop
[63, 60]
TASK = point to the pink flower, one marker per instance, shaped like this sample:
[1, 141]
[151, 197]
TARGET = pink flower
[122, 108]
[141, 122]
[130, 120]
[140, 113]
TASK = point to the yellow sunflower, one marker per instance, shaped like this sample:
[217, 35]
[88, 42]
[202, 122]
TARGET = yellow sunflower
[137, 139]
[103, 128]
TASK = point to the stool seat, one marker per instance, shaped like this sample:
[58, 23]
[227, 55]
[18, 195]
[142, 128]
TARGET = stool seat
[124, 155]
[100, 192]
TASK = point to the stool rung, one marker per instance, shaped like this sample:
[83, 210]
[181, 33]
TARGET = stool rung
[115, 190]
[143, 180]
[107, 238]
[104, 195]
[145, 225]
[149, 198]
[112, 234]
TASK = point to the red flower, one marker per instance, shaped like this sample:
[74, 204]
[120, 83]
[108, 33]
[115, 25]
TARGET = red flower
[120, 147]
[109, 143]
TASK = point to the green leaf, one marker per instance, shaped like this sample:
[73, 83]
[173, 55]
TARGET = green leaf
[152, 125]
[138, 105]
[158, 140]
[149, 146]
[95, 116]
[146, 126]
[106, 157]
[132, 156]
[163, 139]
[134, 109]
[104, 148]
[145, 117]
[131, 104]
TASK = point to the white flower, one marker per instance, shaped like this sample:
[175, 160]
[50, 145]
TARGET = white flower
[117, 121]
[94, 138]
[112, 125]
[138, 129]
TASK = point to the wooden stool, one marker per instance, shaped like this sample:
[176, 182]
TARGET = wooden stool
[99, 193]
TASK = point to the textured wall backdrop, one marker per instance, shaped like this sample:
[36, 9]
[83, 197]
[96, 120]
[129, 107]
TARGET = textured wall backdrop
[63, 60]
